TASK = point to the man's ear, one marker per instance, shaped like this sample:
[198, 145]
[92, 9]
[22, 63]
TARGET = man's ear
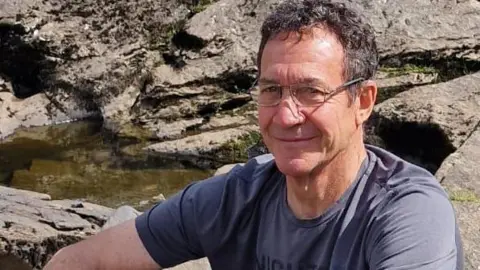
[366, 100]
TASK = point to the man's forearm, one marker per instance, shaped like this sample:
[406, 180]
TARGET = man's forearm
[71, 258]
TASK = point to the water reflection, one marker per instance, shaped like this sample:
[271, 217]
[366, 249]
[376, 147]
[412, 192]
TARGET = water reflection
[12, 263]
[78, 161]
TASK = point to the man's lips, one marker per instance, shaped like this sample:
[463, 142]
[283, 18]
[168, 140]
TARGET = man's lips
[294, 139]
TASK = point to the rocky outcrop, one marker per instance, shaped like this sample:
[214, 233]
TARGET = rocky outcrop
[460, 175]
[37, 110]
[33, 227]
[166, 70]
[209, 149]
[427, 123]
[468, 216]
[459, 172]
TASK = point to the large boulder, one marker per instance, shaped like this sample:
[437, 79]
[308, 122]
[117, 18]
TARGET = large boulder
[460, 172]
[427, 123]
[210, 149]
[33, 227]
[468, 216]
[405, 28]
[460, 175]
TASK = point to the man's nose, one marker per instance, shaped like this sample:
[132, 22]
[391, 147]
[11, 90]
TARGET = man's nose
[287, 114]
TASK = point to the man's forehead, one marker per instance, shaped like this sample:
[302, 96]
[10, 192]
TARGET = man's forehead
[293, 48]
[314, 33]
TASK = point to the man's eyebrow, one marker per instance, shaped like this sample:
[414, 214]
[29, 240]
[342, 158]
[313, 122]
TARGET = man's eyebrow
[315, 81]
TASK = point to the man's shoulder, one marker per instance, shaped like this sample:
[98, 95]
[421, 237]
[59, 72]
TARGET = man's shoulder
[243, 177]
[392, 172]
[401, 185]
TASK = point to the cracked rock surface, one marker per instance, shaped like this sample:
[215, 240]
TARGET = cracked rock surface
[32, 226]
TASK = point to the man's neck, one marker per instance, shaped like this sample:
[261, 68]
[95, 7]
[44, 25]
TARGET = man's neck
[310, 197]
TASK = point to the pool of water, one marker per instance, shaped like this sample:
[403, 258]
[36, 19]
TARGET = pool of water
[81, 161]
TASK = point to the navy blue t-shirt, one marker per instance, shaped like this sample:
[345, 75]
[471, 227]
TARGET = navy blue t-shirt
[395, 215]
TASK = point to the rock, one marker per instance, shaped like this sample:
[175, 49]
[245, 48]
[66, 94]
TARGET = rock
[122, 214]
[5, 86]
[7, 192]
[468, 216]
[34, 111]
[460, 170]
[427, 123]
[257, 149]
[226, 168]
[143, 203]
[159, 198]
[152, 71]
[406, 30]
[34, 228]
[216, 146]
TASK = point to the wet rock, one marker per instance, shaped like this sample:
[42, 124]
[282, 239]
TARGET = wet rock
[34, 227]
[36, 110]
[84, 55]
[216, 146]
[13, 263]
[427, 123]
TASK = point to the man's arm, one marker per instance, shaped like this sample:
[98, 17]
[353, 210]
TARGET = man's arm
[118, 247]
[416, 229]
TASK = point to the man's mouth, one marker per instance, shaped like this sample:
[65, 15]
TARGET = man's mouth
[294, 139]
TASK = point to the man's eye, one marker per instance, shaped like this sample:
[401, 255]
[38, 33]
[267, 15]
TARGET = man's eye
[312, 91]
[270, 89]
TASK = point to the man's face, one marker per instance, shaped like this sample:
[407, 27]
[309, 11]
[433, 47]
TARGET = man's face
[302, 138]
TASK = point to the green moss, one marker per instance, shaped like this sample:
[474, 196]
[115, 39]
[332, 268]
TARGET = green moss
[408, 69]
[160, 36]
[463, 196]
[202, 5]
[236, 150]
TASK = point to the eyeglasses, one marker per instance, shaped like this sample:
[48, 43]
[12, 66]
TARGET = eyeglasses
[305, 95]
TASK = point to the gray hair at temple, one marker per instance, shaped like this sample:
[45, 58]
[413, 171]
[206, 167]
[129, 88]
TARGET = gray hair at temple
[356, 36]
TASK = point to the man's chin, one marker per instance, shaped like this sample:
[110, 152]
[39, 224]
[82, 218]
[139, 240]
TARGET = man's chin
[295, 167]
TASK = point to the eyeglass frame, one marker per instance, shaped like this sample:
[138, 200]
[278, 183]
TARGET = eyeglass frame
[329, 95]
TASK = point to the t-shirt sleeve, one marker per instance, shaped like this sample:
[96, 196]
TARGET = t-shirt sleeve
[414, 230]
[170, 230]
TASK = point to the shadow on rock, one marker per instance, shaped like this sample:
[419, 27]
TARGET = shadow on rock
[23, 60]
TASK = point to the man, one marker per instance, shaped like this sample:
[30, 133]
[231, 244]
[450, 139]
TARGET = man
[324, 200]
